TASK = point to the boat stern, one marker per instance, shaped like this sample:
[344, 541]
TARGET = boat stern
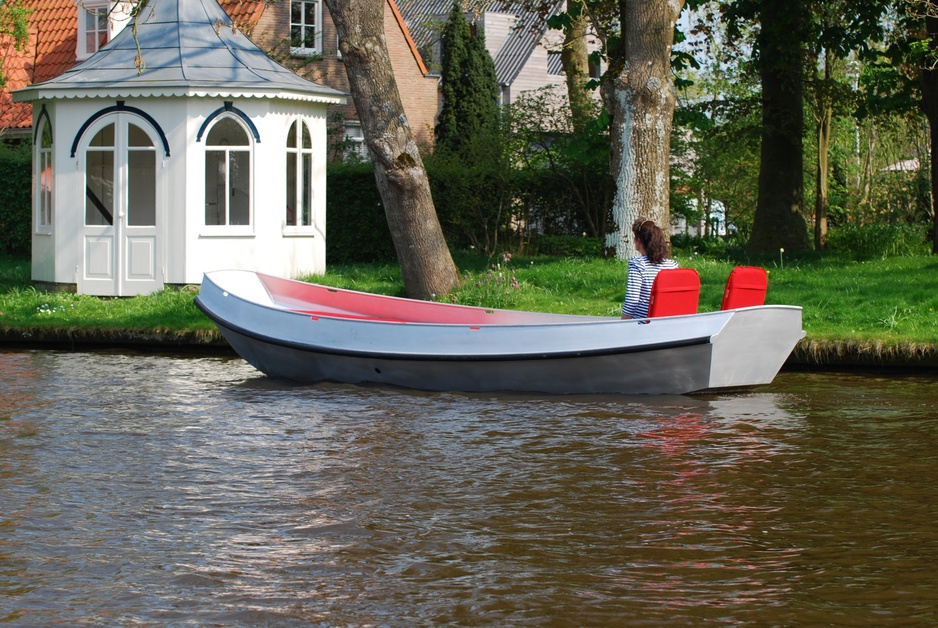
[753, 345]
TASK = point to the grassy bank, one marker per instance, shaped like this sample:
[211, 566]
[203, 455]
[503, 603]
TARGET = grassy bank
[882, 311]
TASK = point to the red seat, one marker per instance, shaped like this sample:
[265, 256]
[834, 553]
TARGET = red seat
[676, 291]
[745, 287]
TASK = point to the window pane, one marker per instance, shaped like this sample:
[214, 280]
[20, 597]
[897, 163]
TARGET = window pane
[291, 136]
[46, 136]
[296, 36]
[307, 189]
[104, 137]
[138, 137]
[45, 187]
[91, 20]
[307, 141]
[291, 189]
[99, 190]
[91, 40]
[141, 188]
[296, 12]
[102, 40]
[310, 40]
[227, 132]
[215, 174]
[309, 12]
[239, 203]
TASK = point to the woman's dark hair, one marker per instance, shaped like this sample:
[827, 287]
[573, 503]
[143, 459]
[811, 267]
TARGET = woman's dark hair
[656, 244]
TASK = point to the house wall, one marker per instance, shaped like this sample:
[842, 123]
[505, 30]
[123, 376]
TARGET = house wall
[497, 27]
[419, 93]
[186, 246]
[534, 75]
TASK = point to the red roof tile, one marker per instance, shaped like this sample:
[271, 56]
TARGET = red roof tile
[53, 27]
[53, 32]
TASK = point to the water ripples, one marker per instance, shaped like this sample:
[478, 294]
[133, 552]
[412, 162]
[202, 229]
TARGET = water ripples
[157, 490]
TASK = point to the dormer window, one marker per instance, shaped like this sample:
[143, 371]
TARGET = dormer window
[305, 27]
[98, 22]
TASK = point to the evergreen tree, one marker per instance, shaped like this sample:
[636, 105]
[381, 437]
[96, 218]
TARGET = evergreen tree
[469, 86]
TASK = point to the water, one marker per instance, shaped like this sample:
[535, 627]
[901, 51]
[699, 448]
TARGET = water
[156, 490]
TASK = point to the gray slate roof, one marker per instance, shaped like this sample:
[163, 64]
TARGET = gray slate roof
[189, 47]
[425, 20]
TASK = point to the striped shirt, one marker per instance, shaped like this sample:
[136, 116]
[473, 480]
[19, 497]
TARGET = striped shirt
[642, 275]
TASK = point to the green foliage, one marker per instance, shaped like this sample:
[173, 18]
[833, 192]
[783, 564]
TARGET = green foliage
[880, 240]
[496, 286]
[565, 246]
[15, 198]
[357, 227]
[715, 247]
[475, 194]
[14, 28]
[533, 178]
[468, 86]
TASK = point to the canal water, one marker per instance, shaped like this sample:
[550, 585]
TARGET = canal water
[191, 491]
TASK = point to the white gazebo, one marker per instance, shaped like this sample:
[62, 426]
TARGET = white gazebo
[196, 153]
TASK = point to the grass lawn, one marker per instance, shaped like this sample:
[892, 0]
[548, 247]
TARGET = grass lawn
[880, 305]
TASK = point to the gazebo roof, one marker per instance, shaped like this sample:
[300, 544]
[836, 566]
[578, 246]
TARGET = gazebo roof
[187, 48]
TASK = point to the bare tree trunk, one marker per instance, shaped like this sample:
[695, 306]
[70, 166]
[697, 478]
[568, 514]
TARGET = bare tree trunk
[779, 220]
[640, 98]
[866, 190]
[930, 107]
[426, 263]
[825, 115]
[575, 60]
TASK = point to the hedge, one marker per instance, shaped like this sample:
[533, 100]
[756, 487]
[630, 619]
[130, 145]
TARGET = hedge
[15, 199]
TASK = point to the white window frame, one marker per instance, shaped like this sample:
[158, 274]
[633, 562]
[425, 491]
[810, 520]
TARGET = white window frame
[304, 51]
[229, 229]
[356, 134]
[296, 154]
[117, 15]
[45, 179]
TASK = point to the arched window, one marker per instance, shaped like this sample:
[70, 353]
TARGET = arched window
[299, 175]
[99, 174]
[120, 147]
[44, 180]
[227, 174]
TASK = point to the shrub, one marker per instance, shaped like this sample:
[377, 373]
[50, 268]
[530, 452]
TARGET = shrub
[880, 240]
[356, 225]
[566, 246]
[15, 198]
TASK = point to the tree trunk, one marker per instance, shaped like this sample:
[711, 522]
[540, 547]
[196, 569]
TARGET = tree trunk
[825, 115]
[930, 108]
[640, 98]
[779, 220]
[575, 60]
[426, 263]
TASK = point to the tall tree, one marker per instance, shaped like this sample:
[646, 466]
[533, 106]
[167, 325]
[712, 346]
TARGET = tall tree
[836, 33]
[427, 266]
[575, 60]
[929, 78]
[468, 85]
[779, 221]
[639, 96]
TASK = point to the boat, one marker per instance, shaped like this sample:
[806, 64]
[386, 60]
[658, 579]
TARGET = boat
[311, 333]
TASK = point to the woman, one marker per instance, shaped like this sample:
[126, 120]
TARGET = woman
[654, 255]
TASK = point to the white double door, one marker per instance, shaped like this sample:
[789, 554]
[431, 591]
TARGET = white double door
[121, 237]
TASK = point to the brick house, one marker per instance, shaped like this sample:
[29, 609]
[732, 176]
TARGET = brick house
[63, 32]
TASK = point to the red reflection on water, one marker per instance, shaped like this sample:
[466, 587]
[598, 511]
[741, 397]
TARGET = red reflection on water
[18, 377]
